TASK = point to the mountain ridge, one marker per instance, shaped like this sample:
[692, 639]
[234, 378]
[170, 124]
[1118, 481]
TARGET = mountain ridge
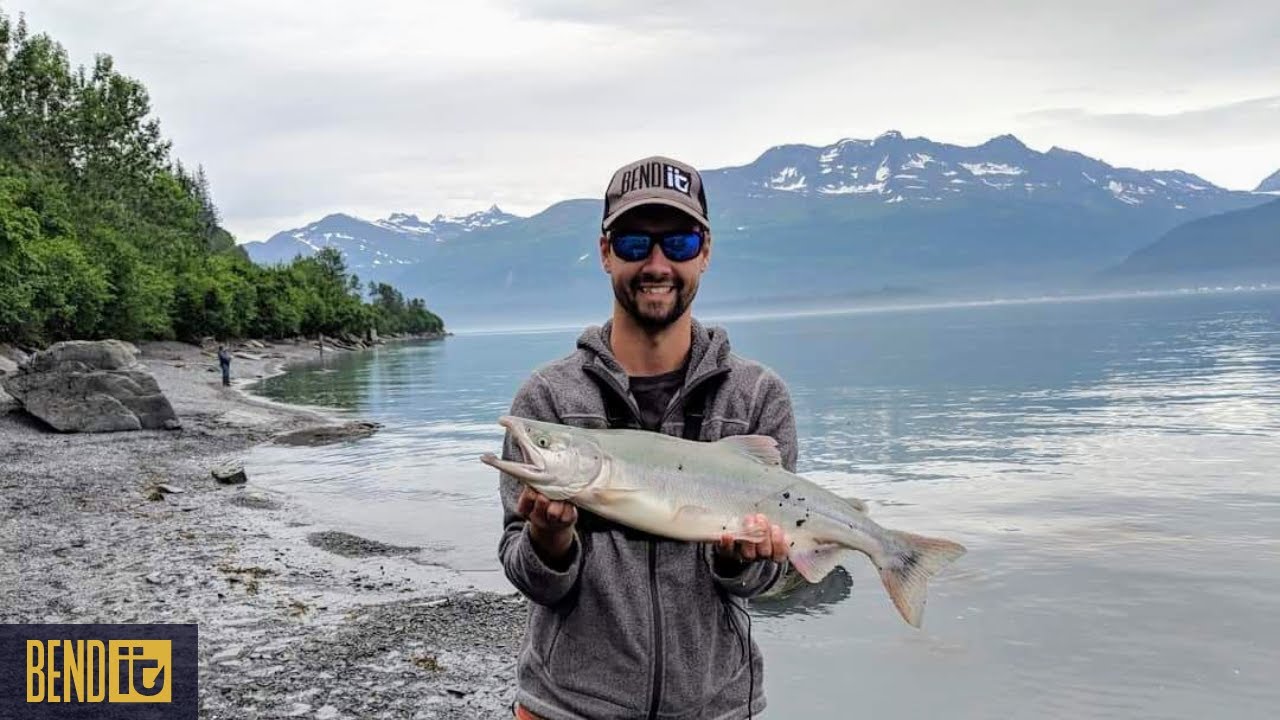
[340, 230]
[852, 216]
[1270, 184]
[1245, 239]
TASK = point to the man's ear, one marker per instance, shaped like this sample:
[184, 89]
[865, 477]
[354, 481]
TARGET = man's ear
[706, 250]
[606, 257]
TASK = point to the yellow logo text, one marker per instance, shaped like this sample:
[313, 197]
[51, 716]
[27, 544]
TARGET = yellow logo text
[91, 671]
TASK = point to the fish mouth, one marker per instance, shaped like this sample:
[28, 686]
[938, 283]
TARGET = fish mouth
[534, 467]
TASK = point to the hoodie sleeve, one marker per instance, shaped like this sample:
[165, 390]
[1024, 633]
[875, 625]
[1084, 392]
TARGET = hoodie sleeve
[527, 571]
[746, 580]
[771, 415]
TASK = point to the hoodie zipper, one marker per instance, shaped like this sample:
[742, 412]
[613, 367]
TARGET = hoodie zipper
[655, 690]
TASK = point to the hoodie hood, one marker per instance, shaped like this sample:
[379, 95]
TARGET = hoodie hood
[708, 354]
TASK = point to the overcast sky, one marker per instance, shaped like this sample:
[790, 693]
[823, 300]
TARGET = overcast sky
[299, 108]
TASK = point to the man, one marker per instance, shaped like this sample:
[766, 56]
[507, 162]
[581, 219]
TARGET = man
[624, 624]
[224, 360]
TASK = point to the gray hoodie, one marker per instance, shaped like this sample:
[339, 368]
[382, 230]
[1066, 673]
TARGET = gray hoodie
[639, 626]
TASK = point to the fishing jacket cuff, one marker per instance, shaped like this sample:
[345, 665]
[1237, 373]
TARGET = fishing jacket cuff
[549, 583]
[750, 579]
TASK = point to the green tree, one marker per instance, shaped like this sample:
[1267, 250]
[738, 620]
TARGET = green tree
[102, 233]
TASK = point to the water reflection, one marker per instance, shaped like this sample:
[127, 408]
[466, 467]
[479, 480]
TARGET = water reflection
[799, 597]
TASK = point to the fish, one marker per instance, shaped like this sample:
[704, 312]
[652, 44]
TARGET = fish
[700, 491]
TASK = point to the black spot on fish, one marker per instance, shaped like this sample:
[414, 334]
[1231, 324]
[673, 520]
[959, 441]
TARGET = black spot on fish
[786, 496]
[800, 499]
[801, 521]
[793, 543]
[909, 561]
[680, 466]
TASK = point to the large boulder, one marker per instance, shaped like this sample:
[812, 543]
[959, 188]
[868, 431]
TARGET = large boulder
[84, 386]
[10, 358]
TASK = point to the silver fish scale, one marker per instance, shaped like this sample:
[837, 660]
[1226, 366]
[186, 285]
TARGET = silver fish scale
[720, 477]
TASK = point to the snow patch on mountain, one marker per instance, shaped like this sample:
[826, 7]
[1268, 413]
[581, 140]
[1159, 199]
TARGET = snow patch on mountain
[990, 168]
[1120, 191]
[852, 189]
[917, 162]
[788, 180]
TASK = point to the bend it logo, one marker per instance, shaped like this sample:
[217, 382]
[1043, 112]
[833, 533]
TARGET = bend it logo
[135, 670]
[75, 671]
[125, 672]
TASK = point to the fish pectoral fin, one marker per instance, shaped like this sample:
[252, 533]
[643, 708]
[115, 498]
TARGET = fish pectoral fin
[690, 516]
[612, 494]
[815, 559]
[761, 448]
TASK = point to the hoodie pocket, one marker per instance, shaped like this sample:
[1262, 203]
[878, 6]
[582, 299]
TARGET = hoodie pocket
[545, 641]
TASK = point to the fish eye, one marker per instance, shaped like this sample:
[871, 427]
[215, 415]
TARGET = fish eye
[544, 443]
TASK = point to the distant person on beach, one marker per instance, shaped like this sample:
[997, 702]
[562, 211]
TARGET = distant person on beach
[623, 623]
[224, 360]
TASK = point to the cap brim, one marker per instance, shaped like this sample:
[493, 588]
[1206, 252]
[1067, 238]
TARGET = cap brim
[639, 202]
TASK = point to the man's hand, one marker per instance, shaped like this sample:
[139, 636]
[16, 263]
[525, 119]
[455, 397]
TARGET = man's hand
[550, 524]
[772, 547]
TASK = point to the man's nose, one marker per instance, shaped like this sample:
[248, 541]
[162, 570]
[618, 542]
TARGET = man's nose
[657, 262]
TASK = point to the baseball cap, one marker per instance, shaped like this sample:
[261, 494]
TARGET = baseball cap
[655, 180]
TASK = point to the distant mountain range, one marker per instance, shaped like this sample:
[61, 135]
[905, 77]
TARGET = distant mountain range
[1271, 184]
[389, 241]
[1247, 240]
[824, 222]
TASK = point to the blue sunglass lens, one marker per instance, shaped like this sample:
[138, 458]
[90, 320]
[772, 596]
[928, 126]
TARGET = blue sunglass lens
[682, 246]
[632, 247]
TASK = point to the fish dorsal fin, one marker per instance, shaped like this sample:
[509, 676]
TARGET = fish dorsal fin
[761, 448]
[858, 504]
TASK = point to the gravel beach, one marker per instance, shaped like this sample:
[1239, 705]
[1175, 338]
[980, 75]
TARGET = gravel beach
[296, 619]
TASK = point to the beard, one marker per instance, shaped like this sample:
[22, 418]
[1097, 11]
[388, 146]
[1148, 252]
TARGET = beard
[647, 314]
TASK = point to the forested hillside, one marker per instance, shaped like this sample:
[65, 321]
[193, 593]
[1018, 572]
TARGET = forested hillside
[104, 234]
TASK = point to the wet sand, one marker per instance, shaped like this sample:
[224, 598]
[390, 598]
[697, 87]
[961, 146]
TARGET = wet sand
[295, 619]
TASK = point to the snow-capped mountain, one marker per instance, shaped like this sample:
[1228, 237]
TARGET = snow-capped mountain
[445, 227]
[805, 220]
[393, 240]
[894, 169]
[1271, 185]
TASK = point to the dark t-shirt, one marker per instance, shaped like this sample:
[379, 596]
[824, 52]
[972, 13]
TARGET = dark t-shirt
[653, 393]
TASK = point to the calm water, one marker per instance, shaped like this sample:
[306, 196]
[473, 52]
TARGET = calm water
[1113, 467]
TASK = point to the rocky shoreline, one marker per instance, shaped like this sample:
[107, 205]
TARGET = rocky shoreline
[295, 619]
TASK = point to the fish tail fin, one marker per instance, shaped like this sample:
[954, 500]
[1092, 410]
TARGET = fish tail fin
[906, 577]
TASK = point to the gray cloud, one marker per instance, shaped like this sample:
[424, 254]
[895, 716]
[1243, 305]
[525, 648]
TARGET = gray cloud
[1239, 123]
[298, 108]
